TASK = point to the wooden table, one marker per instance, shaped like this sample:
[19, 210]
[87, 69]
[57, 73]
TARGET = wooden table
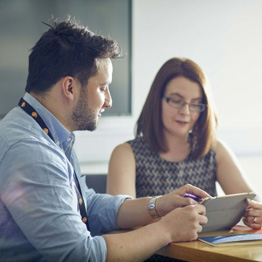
[197, 251]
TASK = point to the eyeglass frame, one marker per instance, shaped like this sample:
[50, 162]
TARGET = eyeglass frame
[183, 103]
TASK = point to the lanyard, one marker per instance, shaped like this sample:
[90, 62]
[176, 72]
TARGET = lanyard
[32, 112]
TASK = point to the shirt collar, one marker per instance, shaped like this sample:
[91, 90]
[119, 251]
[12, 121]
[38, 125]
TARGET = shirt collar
[62, 137]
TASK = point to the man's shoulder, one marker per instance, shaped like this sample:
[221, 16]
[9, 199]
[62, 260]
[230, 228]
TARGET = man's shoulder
[14, 126]
[18, 130]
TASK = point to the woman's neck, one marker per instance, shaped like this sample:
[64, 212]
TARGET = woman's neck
[178, 148]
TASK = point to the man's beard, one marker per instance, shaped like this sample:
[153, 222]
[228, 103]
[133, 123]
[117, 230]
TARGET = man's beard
[83, 116]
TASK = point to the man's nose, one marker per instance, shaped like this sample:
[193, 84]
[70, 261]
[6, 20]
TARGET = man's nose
[108, 99]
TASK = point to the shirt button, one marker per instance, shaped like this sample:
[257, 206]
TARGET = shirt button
[46, 130]
[34, 114]
[84, 219]
[80, 201]
[69, 139]
[57, 142]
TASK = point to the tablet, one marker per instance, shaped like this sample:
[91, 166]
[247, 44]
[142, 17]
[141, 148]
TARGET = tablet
[224, 212]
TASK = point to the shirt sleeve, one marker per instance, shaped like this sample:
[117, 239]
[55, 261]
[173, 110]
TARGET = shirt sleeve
[102, 209]
[37, 190]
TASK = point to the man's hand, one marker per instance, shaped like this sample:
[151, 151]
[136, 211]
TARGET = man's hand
[184, 224]
[175, 199]
[179, 225]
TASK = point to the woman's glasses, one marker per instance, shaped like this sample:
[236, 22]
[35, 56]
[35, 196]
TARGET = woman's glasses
[179, 103]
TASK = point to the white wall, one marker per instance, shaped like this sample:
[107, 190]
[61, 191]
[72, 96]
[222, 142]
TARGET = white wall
[224, 38]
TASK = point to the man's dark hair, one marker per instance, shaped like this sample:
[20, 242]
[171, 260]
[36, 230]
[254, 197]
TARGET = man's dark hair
[67, 49]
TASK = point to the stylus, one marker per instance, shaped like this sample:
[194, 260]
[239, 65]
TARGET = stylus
[197, 198]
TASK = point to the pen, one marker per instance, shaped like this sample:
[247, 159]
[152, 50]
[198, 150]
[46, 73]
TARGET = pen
[196, 198]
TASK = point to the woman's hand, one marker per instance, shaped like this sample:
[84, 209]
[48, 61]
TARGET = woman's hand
[253, 215]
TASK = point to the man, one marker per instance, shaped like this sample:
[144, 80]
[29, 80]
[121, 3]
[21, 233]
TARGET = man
[45, 215]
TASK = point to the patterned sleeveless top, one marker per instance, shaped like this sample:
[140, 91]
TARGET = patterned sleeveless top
[156, 176]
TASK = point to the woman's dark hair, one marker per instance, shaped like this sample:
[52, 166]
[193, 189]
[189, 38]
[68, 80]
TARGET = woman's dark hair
[150, 125]
[67, 49]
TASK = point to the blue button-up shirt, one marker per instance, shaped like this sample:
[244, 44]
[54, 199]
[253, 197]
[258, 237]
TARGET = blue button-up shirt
[39, 212]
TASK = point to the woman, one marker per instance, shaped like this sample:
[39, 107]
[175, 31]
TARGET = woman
[176, 143]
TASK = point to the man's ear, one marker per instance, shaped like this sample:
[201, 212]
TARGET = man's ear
[68, 87]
